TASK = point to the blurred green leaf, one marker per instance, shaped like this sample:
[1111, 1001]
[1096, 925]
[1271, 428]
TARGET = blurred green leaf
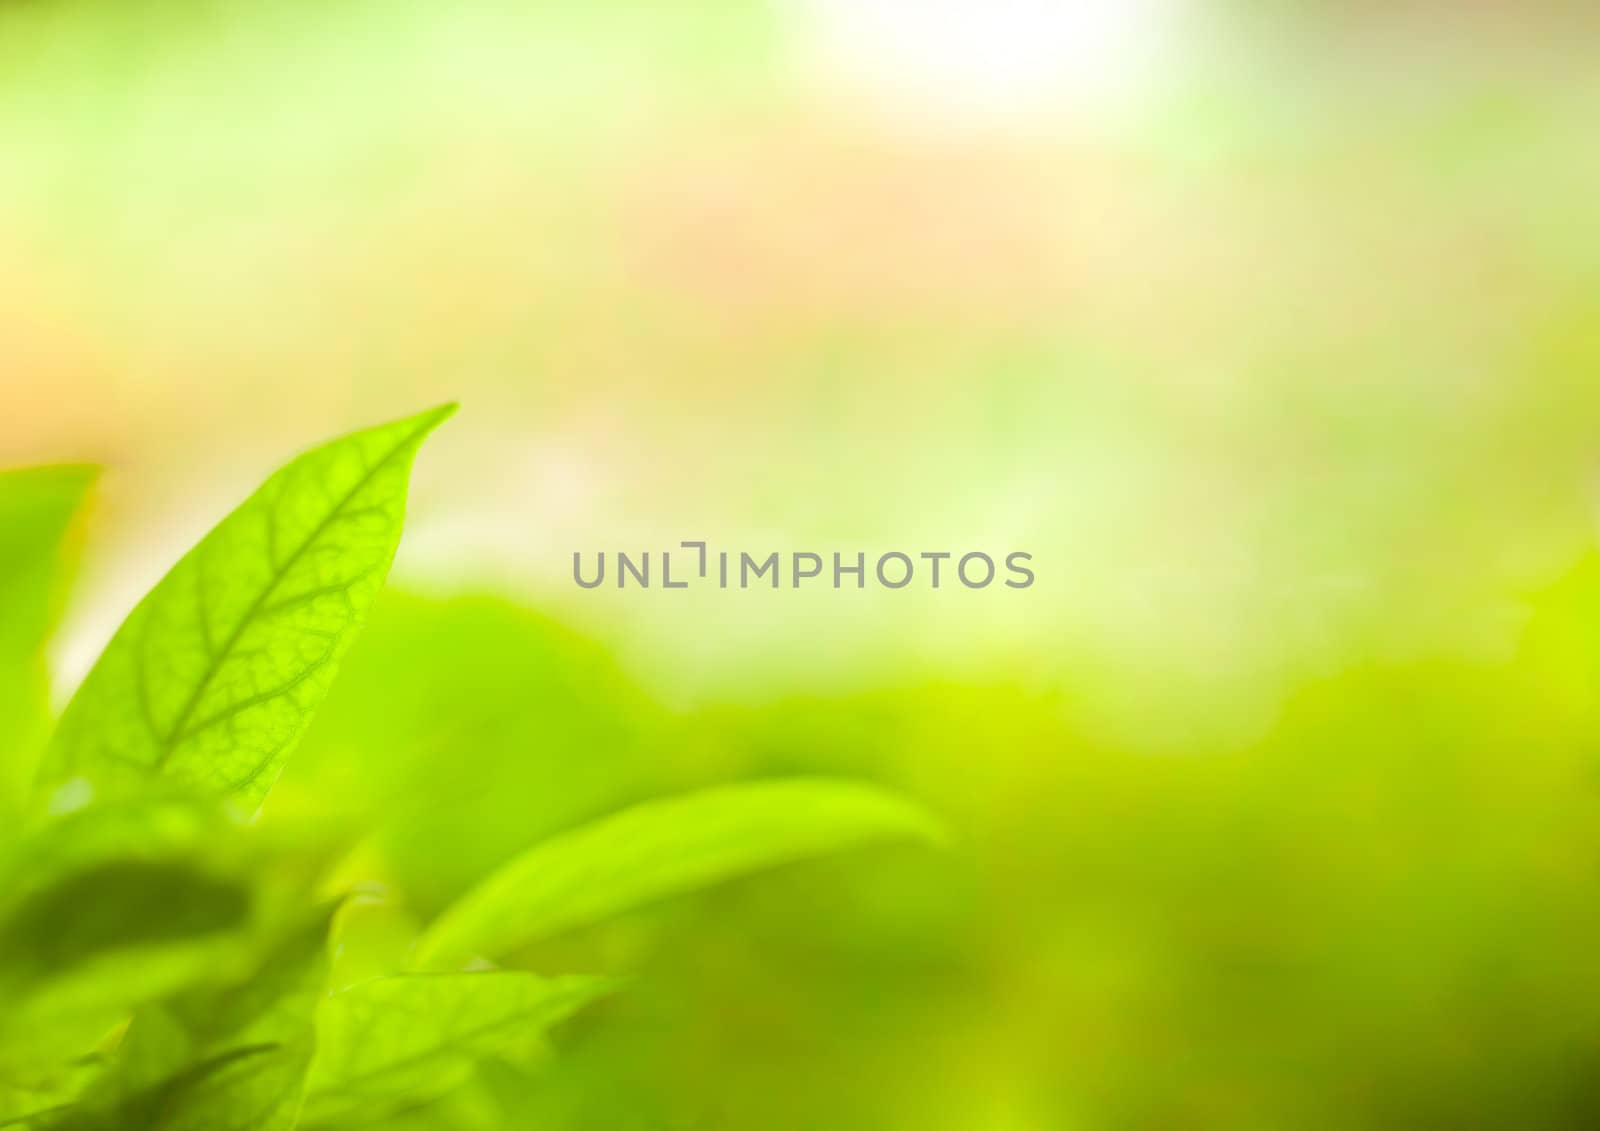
[122, 904]
[251, 1088]
[406, 1039]
[31, 1101]
[230, 1058]
[215, 674]
[117, 906]
[105, 909]
[663, 848]
[463, 731]
[36, 510]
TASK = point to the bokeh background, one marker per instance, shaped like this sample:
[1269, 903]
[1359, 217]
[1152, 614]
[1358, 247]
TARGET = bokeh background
[1271, 330]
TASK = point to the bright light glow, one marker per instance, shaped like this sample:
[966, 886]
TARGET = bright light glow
[994, 62]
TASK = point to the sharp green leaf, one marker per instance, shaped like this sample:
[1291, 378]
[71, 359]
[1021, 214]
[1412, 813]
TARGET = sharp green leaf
[405, 1039]
[215, 674]
[36, 510]
[664, 848]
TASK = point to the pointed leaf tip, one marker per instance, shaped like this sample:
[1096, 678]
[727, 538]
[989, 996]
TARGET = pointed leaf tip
[214, 676]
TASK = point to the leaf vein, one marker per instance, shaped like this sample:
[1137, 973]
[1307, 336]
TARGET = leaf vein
[279, 573]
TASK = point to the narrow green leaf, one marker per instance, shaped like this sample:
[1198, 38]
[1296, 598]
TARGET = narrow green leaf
[403, 1040]
[663, 848]
[37, 506]
[214, 675]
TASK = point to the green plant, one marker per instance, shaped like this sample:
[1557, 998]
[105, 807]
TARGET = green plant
[164, 954]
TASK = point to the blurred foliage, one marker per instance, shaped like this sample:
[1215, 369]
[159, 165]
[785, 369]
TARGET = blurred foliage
[165, 961]
[1377, 913]
[36, 509]
[1273, 805]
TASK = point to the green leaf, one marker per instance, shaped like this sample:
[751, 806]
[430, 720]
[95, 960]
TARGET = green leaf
[33, 1101]
[402, 1040]
[451, 731]
[214, 676]
[77, 956]
[663, 848]
[105, 909]
[127, 902]
[115, 908]
[250, 1088]
[231, 1058]
[36, 511]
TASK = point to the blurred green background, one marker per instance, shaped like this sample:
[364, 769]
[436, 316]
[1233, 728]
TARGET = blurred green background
[1272, 331]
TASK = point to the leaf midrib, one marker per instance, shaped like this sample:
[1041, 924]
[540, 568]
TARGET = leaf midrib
[171, 740]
